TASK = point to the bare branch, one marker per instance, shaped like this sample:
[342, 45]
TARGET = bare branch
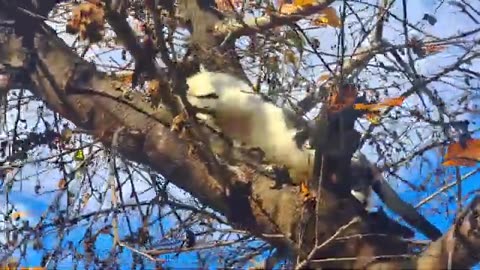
[260, 24]
[356, 64]
[465, 249]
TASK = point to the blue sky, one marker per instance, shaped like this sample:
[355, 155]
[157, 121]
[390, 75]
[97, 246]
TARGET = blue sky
[448, 24]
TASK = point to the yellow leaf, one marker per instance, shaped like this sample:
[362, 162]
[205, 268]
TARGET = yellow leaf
[362, 106]
[373, 118]
[79, 155]
[389, 102]
[17, 215]
[328, 16]
[290, 57]
[153, 86]
[305, 192]
[304, 188]
[289, 9]
[302, 3]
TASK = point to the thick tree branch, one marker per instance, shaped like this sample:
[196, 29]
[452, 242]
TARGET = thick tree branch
[459, 248]
[72, 87]
[261, 24]
[75, 89]
[87, 97]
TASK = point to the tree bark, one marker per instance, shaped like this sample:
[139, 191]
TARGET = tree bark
[75, 89]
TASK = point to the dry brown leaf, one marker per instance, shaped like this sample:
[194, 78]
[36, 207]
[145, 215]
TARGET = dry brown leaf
[373, 117]
[459, 162]
[389, 102]
[290, 57]
[339, 100]
[328, 16]
[458, 155]
[305, 192]
[289, 9]
[433, 48]
[303, 3]
[125, 78]
[88, 19]
[17, 215]
[365, 107]
[226, 5]
[153, 86]
[62, 184]
[105, 230]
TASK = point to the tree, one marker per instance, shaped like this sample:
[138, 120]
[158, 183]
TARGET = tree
[276, 46]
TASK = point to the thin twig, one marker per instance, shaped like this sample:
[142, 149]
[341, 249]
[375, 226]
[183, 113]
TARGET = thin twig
[260, 24]
[310, 256]
[445, 188]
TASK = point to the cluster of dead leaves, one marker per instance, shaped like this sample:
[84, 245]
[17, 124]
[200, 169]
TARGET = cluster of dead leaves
[422, 50]
[346, 96]
[88, 20]
[465, 153]
[433, 48]
[327, 17]
[342, 98]
[228, 5]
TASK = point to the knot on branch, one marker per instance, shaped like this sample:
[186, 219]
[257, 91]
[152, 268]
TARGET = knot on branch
[164, 149]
